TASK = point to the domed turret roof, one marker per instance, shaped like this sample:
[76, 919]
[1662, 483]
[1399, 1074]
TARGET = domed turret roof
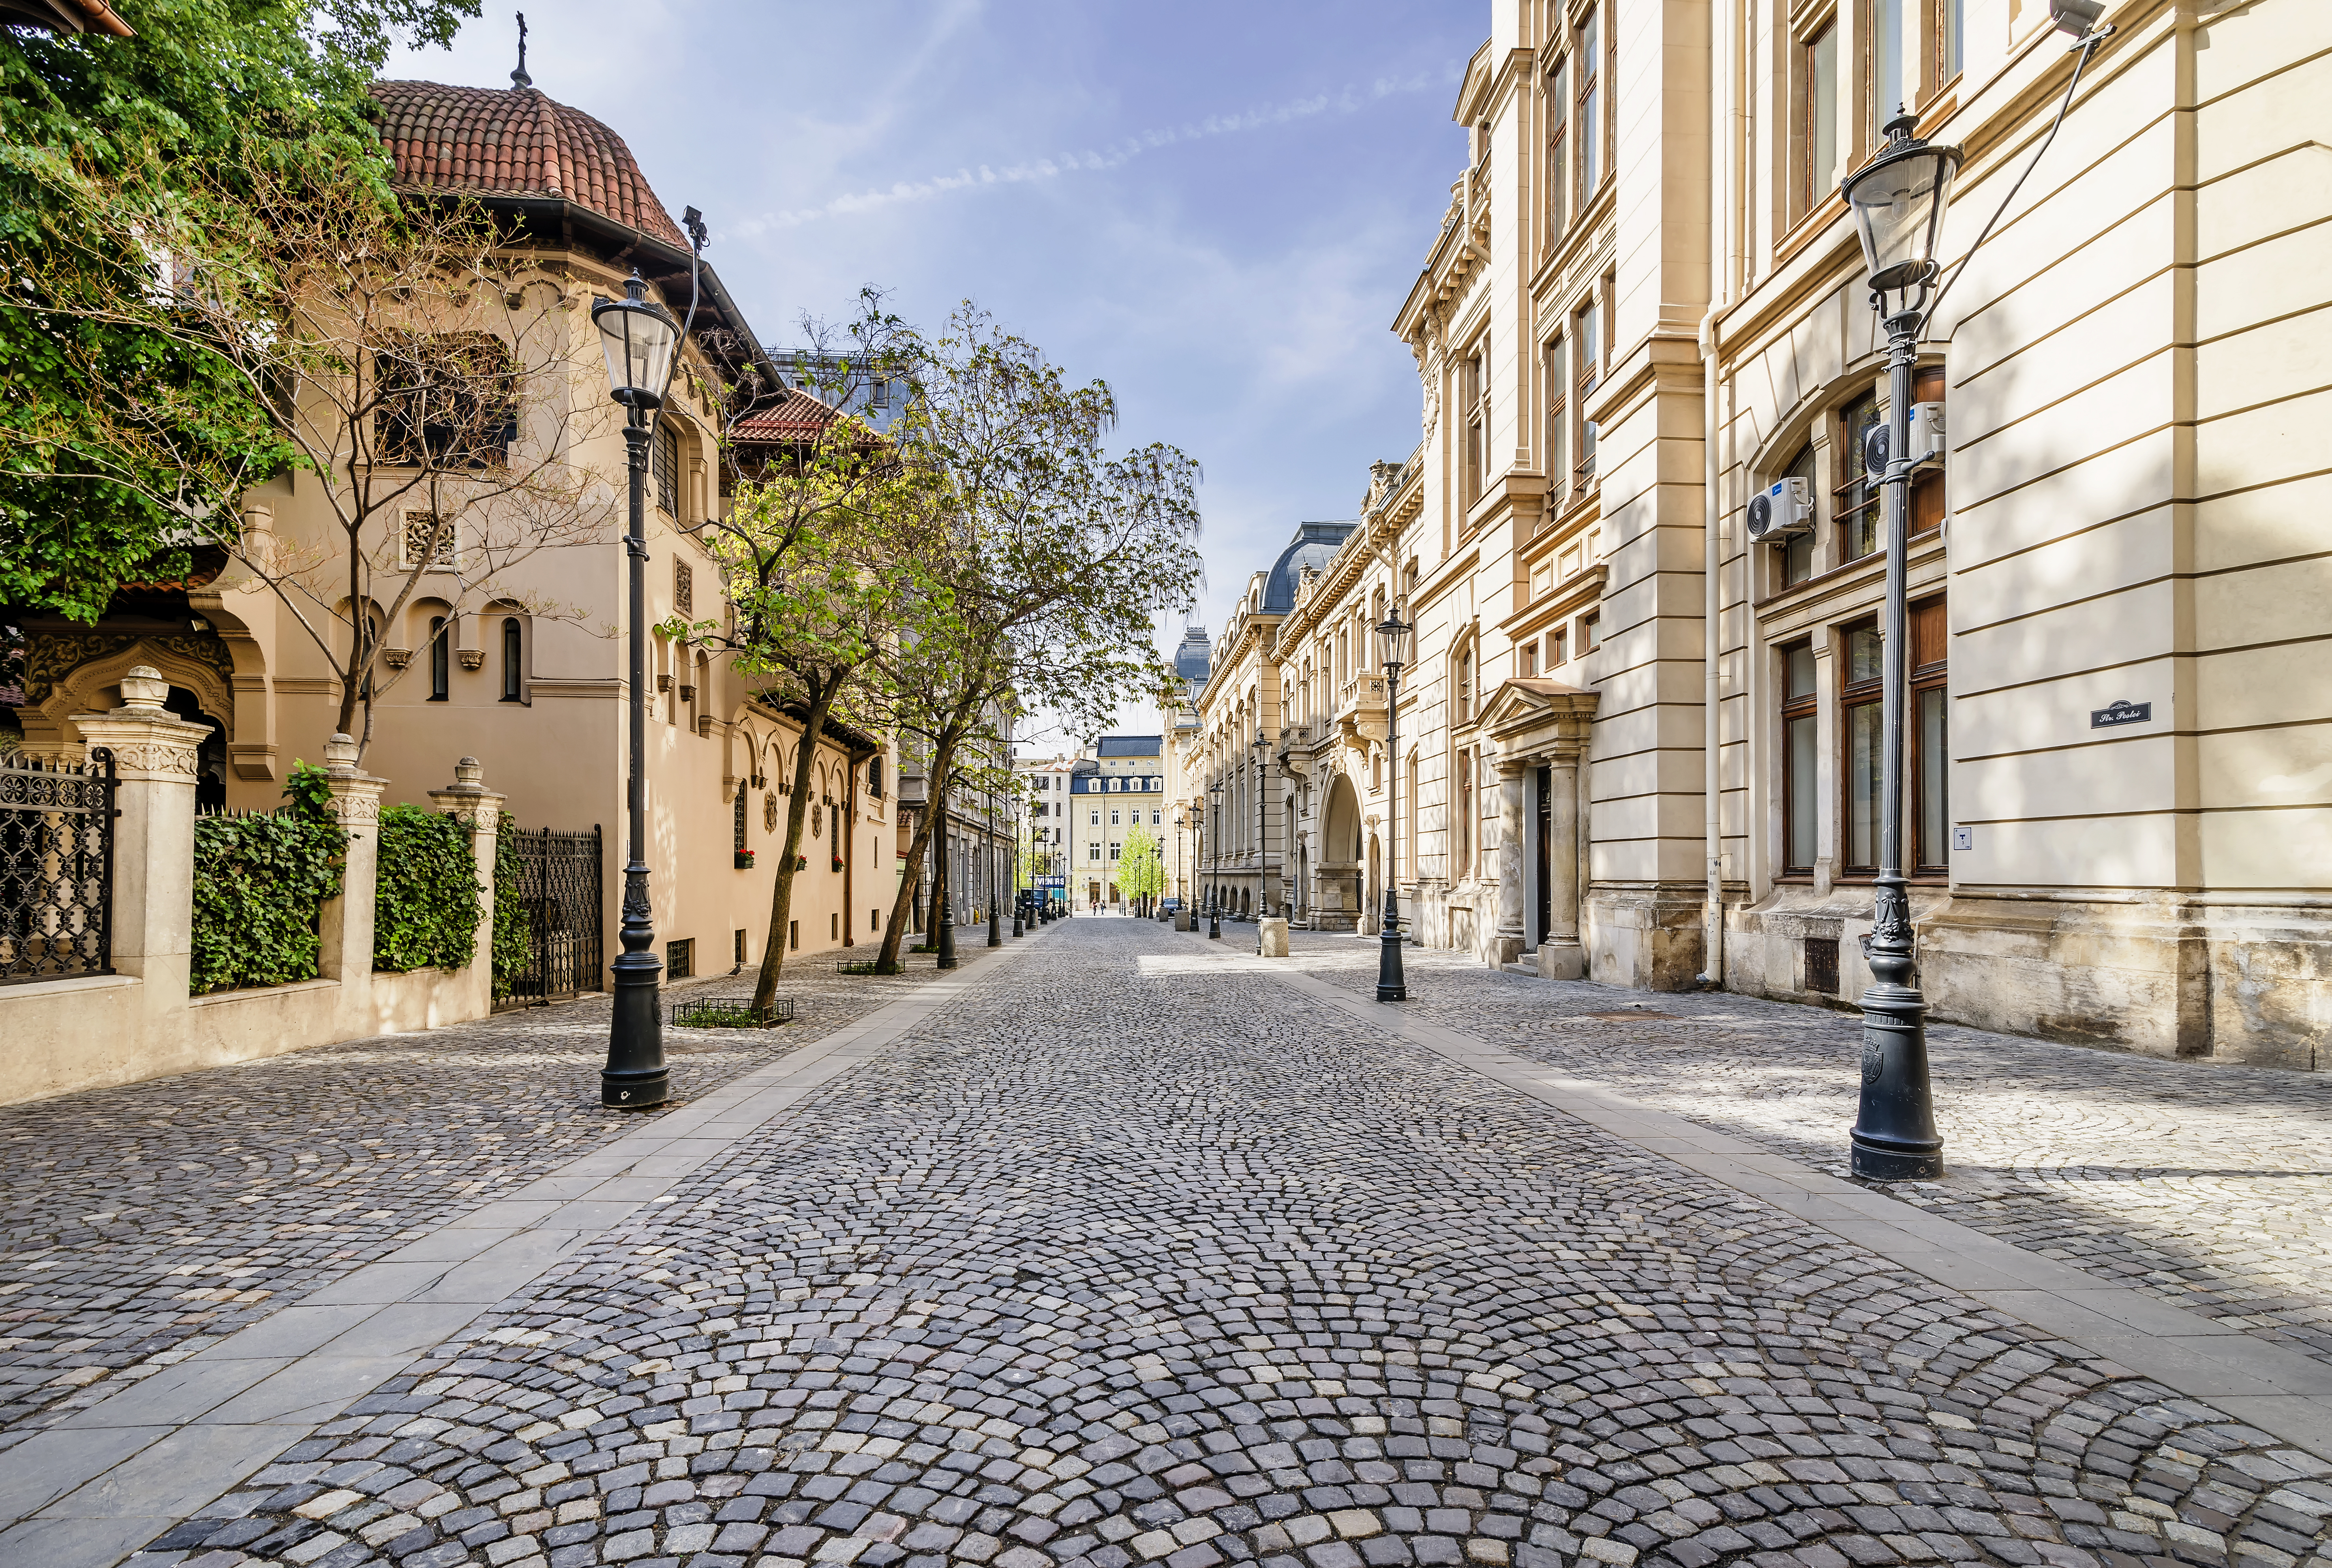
[1314, 545]
[515, 142]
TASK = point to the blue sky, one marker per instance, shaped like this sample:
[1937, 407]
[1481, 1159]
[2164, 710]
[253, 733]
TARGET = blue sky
[1216, 207]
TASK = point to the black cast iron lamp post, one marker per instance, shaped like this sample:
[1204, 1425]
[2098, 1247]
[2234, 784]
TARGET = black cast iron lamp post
[1214, 901]
[1898, 201]
[1394, 641]
[638, 337]
[1262, 836]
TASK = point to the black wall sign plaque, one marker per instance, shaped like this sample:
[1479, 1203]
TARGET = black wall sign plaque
[2117, 714]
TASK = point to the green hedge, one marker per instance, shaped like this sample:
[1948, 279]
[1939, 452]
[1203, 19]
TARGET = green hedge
[259, 884]
[513, 925]
[426, 904]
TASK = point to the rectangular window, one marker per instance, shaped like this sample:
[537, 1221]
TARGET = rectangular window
[1931, 755]
[1558, 128]
[1927, 484]
[1813, 131]
[1113, 817]
[1795, 558]
[1800, 762]
[1093, 852]
[1557, 430]
[736, 943]
[1096, 816]
[1882, 35]
[1950, 27]
[1863, 712]
[665, 462]
[680, 959]
[1464, 847]
[1558, 647]
[1530, 659]
[445, 401]
[1588, 626]
[1590, 56]
[1586, 371]
[1855, 499]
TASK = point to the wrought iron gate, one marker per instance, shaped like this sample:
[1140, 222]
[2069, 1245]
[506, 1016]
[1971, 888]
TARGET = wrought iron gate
[553, 877]
[56, 869]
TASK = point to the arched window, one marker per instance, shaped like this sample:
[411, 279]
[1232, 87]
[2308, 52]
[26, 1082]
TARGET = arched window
[513, 660]
[1461, 687]
[441, 660]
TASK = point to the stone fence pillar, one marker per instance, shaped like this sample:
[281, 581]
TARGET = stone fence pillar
[153, 894]
[346, 925]
[470, 801]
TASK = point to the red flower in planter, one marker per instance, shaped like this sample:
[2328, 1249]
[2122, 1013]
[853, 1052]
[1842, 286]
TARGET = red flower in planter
[744, 861]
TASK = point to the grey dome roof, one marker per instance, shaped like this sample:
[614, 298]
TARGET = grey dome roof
[1195, 657]
[1313, 545]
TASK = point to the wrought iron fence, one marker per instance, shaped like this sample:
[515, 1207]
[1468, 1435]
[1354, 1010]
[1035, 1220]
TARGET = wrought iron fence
[56, 868]
[554, 878]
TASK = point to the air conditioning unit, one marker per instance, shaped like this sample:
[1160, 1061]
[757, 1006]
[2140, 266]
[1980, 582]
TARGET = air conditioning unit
[1926, 440]
[1783, 508]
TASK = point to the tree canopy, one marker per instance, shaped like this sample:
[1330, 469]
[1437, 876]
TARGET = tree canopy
[206, 86]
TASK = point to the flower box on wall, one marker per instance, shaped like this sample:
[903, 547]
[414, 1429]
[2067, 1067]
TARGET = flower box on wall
[744, 859]
[837, 862]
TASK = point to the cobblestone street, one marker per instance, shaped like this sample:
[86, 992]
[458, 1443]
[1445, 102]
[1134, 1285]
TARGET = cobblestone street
[1131, 1254]
[145, 1222]
[2198, 1183]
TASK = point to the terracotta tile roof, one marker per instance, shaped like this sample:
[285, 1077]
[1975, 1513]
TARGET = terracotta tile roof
[796, 417]
[515, 142]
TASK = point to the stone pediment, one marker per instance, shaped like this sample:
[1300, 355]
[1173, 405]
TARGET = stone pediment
[1531, 715]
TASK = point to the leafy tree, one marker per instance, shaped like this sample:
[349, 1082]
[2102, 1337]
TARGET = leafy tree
[207, 87]
[825, 550]
[1056, 558]
[1141, 874]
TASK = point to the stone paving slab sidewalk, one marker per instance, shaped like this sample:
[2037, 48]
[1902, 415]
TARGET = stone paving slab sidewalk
[2199, 1184]
[145, 1222]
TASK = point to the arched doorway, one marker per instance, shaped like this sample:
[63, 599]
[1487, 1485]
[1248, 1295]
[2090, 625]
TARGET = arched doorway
[1336, 882]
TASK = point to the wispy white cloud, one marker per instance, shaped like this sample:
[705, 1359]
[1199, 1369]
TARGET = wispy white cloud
[991, 176]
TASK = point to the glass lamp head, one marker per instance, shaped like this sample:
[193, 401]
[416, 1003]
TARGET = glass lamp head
[1899, 200]
[1396, 638]
[638, 336]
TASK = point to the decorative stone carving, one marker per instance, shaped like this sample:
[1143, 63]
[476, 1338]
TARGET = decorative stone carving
[472, 658]
[143, 688]
[49, 656]
[397, 658]
[770, 813]
[469, 800]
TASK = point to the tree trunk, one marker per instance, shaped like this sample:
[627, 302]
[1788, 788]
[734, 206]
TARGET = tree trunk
[911, 883]
[781, 896]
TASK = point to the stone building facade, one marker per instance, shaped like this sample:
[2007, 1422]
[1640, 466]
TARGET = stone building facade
[1642, 745]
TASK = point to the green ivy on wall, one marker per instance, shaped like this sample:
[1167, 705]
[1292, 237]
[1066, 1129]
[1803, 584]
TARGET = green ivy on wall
[259, 884]
[426, 905]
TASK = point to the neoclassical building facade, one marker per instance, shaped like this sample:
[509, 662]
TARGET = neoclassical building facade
[1639, 745]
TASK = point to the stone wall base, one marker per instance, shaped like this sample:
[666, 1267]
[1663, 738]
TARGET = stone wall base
[1644, 936]
[2170, 976]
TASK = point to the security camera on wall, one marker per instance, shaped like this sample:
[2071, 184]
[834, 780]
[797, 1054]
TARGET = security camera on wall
[1783, 508]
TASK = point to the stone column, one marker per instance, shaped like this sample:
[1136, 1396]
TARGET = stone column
[1559, 956]
[470, 801]
[347, 920]
[154, 754]
[1514, 790]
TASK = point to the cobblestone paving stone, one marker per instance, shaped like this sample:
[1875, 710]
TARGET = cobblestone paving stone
[144, 1222]
[2201, 1183]
[1127, 1260]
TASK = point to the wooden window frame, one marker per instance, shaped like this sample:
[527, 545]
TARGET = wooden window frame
[1930, 654]
[1558, 414]
[1807, 101]
[1591, 100]
[1557, 91]
[1854, 695]
[1805, 707]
